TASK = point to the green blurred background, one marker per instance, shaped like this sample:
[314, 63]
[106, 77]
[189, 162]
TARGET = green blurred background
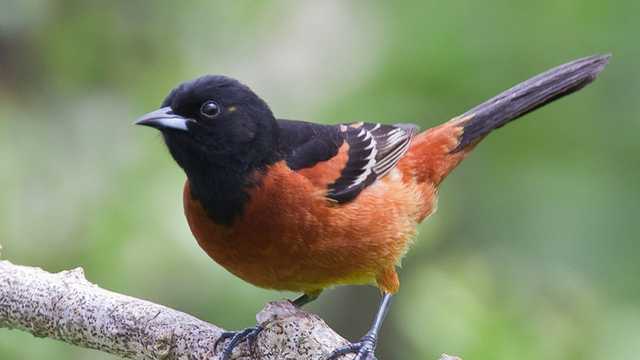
[533, 254]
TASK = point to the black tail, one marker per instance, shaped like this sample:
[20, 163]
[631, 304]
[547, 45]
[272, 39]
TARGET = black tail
[530, 95]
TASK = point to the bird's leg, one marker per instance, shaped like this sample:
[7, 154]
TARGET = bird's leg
[365, 347]
[248, 334]
[306, 298]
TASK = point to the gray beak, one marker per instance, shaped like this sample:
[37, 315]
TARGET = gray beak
[164, 118]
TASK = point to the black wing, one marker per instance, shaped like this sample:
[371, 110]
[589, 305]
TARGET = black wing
[374, 149]
[305, 144]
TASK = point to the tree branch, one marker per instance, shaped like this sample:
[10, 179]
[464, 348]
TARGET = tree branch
[66, 307]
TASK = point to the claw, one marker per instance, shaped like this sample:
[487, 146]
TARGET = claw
[364, 349]
[237, 337]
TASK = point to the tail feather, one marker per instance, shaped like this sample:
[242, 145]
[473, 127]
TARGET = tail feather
[529, 96]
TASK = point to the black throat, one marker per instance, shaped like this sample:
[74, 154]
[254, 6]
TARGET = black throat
[221, 183]
[223, 192]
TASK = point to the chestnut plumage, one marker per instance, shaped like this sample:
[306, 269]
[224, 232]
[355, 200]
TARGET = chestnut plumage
[298, 206]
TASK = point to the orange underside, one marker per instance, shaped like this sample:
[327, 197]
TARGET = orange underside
[290, 237]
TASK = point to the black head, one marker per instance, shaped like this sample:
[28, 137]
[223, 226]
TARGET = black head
[219, 132]
[215, 120]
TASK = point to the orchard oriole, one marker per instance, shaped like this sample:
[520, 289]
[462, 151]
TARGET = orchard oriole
[298, 206]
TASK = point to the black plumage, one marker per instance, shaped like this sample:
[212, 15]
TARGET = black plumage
[223, 154]
[528, 96]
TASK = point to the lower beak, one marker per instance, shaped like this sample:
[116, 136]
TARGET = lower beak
[163, 118]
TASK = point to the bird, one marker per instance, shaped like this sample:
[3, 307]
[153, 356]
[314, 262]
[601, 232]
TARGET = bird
[300, 206]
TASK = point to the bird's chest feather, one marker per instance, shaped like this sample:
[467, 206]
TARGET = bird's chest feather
[291, 237]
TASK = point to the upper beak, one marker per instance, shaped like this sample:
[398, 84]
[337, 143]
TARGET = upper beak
[163, 118]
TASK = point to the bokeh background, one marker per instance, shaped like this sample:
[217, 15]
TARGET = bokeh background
[532, 255]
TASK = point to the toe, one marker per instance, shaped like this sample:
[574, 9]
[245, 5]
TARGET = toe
[364, 350]
[223, 337]
[347, 349]
[248, 334]
[366, 354]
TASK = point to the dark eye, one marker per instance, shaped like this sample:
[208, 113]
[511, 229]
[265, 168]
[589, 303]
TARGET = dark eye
[210, 109]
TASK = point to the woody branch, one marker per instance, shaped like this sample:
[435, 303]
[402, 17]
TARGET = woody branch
[67, 307]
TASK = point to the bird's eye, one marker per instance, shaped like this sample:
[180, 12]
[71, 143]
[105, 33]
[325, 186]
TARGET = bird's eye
[210, 109]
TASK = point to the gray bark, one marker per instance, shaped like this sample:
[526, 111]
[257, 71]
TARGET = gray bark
[66, 307]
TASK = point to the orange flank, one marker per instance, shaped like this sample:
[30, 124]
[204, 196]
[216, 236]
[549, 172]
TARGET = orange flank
[326, 172]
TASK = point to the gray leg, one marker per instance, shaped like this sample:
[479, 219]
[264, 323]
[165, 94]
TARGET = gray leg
[306, 298]
[365, 348]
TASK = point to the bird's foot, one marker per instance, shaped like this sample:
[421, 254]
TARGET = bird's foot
[364, 349]
[237, 337]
